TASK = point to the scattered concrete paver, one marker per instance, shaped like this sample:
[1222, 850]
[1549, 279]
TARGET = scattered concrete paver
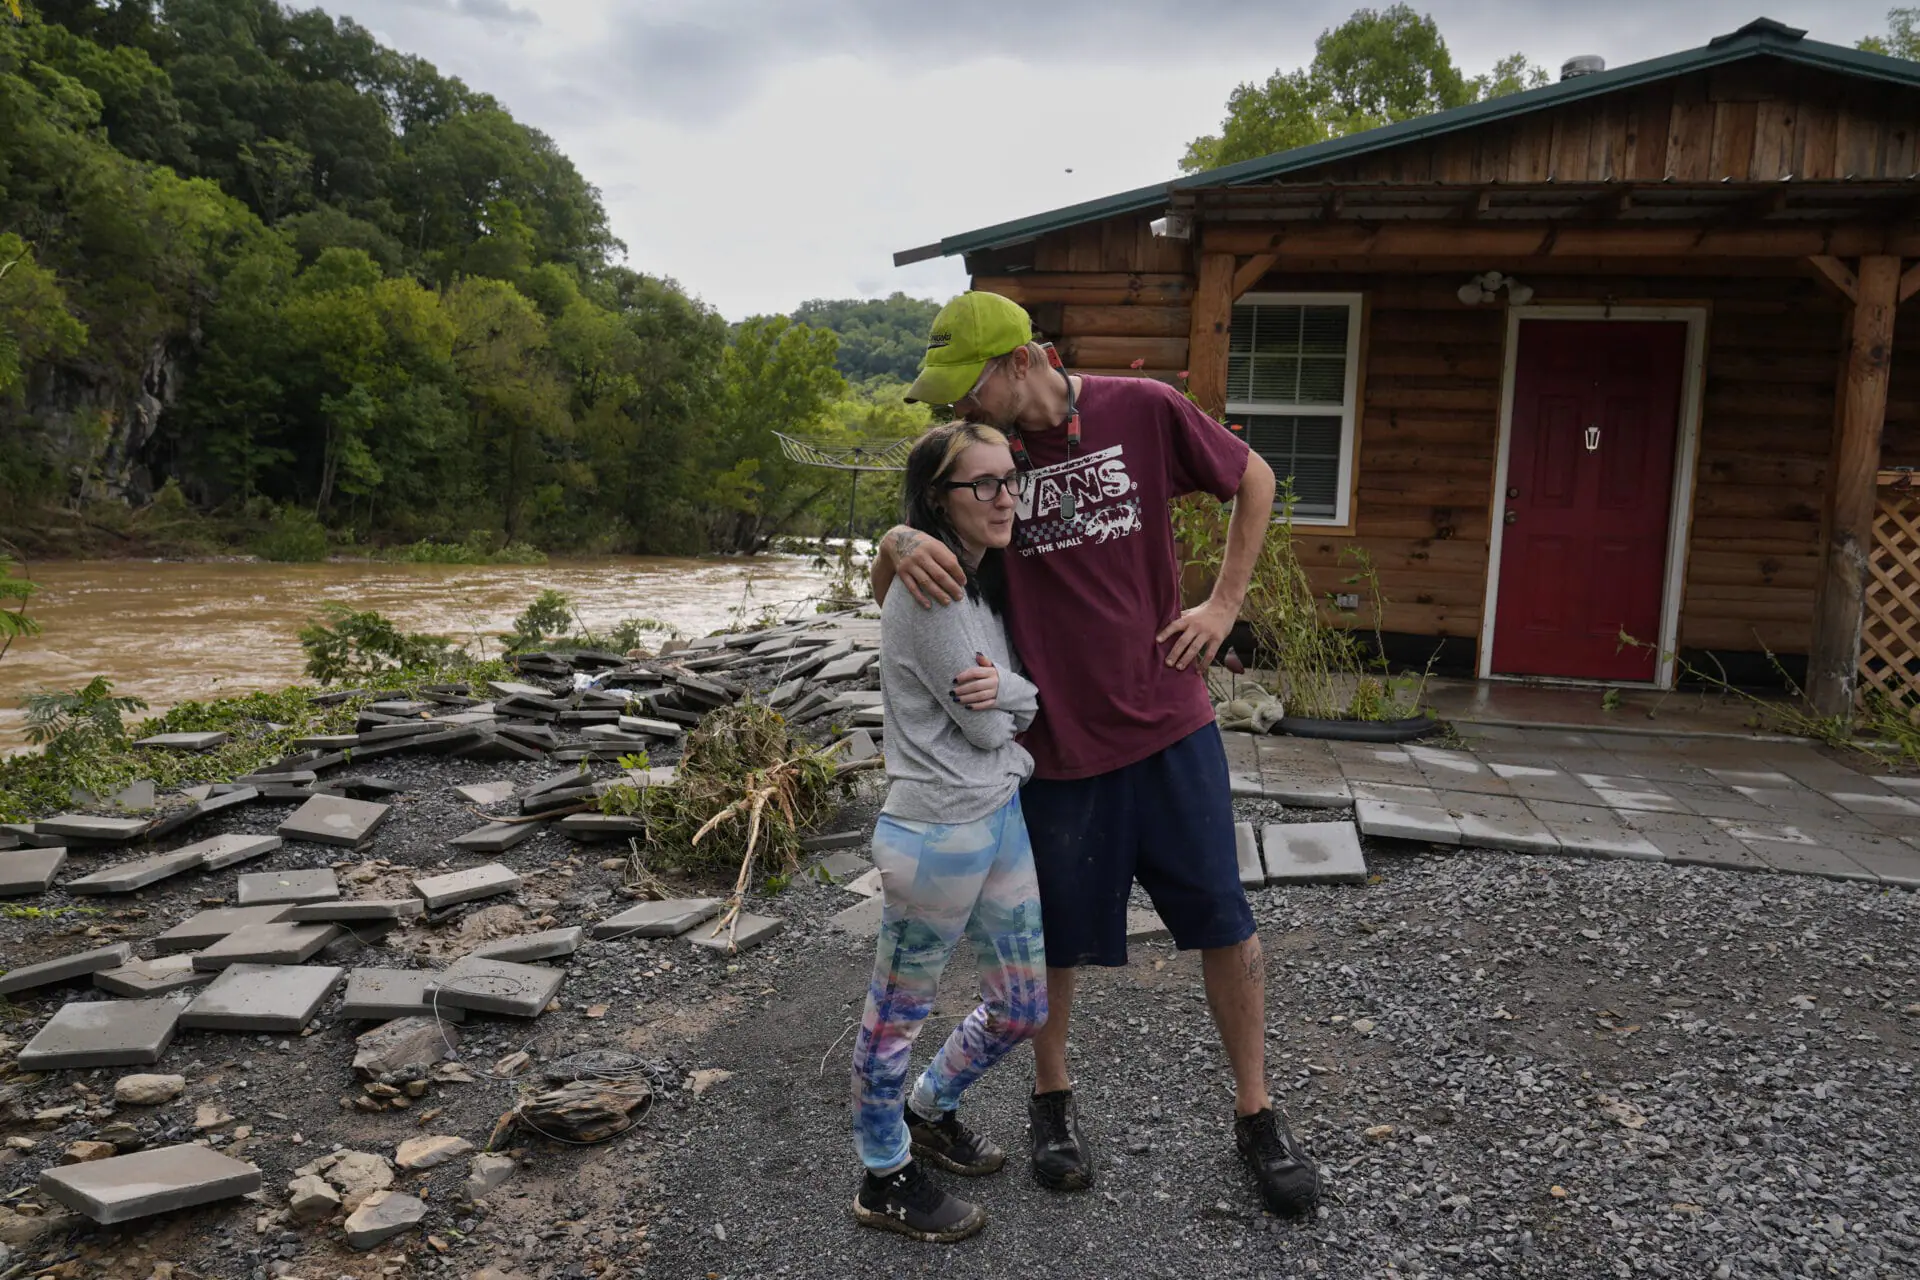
[1313, 853]
[841, 867]
[205, 928]
[485, 793]
[144, 979]
[159, 1180]
[222, 852]
[103, 1033]
[484, 881]
[335, 820]
[497, 986]
[543, 945]
[261, 997]
[394, 993]
[86, 826]
[1425, 822]
[280, 943]
[126, 877]
[24, 871]
[1246, 850]
[65, 968]
[348, 910]
[265, 888]
[862, 919]
[1145, 925]
[497, 837]
[184, 741]
[668, 919]
[867, 885]
[752, 930]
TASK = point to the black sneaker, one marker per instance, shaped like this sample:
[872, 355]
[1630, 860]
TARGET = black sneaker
[1060, 1158]
[1289, 1180]
[951, 1145]
[906, 1201]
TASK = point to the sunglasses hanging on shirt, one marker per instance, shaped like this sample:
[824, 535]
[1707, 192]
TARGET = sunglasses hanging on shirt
[1068, 503]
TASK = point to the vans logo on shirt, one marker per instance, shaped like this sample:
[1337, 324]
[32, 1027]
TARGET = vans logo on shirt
[1080, 500]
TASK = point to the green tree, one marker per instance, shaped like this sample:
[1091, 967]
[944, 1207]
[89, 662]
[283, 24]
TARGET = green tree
[776, 376]
[35, 323]
[1903, 35]
[879, 337]
[1376, 68]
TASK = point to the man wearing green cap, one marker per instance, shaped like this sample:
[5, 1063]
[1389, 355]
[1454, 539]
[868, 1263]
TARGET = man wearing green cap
[1130, 777]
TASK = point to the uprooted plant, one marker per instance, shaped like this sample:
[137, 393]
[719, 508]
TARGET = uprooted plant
[744, 790]
[1323, 669]
[345, 643]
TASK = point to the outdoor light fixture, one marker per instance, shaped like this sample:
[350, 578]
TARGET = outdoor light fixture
[1484, 287]
[1175, 226]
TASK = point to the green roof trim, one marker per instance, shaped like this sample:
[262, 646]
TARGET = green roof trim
[1761, 38]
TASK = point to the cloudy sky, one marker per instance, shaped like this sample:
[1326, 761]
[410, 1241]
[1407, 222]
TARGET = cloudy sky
[764, 152]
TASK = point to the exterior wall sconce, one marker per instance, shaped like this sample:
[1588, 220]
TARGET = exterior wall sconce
[1484, 288]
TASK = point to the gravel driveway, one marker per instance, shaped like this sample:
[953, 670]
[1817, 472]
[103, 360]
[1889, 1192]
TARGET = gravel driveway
[1569, 1068]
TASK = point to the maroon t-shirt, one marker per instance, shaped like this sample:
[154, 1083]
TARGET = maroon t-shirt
[1090, 586]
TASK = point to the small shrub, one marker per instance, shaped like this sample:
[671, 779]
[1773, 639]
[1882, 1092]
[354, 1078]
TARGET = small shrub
[295, 536]
[71, 722]
[550, 615]
[475, 550]
[14, 592]
[632, 633]
[348, 644]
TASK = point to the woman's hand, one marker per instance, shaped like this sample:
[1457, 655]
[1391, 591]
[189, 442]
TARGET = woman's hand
[930, 572]
[977, 687]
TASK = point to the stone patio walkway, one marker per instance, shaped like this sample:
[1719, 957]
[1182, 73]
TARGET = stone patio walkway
[1750, 806]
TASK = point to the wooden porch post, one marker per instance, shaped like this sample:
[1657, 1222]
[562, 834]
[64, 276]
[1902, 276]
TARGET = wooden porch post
[1860, 416]
[1207, 338]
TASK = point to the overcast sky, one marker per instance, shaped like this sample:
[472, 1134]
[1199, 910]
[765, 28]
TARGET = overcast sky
[763, 152]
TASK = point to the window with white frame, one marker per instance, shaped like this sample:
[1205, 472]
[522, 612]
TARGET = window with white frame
[1292, 377]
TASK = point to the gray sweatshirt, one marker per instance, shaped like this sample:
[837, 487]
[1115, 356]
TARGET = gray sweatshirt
[949, 764]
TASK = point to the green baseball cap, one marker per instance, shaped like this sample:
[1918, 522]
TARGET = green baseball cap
[968, 332]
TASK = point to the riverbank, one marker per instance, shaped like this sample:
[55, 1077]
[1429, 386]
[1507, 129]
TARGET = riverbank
[175, 631]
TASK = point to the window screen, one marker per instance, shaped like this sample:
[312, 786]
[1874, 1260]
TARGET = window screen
[1288, 385]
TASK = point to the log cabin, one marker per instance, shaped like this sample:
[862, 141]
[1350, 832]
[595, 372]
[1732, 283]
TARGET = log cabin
[1617, 354]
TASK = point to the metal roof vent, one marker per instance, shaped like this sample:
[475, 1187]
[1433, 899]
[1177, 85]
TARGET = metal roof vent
[1584, 64]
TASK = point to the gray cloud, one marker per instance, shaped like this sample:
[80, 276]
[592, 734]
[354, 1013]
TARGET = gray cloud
[483, 10]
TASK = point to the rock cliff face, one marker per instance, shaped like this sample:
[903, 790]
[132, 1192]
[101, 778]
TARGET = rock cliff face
[95, 422]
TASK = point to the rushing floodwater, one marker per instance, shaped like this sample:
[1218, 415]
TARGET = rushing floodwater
[171, 632]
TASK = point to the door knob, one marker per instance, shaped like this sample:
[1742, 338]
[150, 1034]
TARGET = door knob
[1512, 516]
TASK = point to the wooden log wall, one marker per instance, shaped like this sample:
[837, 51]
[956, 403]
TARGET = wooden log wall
[1756, 121]
[1430, 413]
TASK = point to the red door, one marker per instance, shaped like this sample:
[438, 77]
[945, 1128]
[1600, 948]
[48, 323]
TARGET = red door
[1596, 413]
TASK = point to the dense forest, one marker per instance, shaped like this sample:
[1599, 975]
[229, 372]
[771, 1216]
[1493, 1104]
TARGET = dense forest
[255, 265]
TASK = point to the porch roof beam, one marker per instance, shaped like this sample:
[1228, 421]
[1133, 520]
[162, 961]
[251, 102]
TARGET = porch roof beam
[1571, 239]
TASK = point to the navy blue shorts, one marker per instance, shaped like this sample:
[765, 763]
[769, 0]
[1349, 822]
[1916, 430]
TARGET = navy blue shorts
[1166, 821]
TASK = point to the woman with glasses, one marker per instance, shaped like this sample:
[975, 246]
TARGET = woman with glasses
[951, 847]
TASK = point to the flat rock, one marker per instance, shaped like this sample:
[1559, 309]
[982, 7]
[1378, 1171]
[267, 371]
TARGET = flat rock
[261, 997]
[311, 1199]
[221, 852]
[533, 946]
[147, 1090]
[430, 1151]
[24, 871]
[668, 919]
[487, 1174]
[862, 919]
[354, 909]
[382, 1216]
[184, 741]
[484, 881]
[356, 1174]
[484, 793]
[752, 931]
[144, 979]
[280, 943]
[399, 1044]
[394, 993]
[126, 877]
[102, 1033]
[263, 888]
[497, 837]
[65, 969]
[1246, 851]
[497, 986]
[1314, 853]
[335, 820]
[205, 928]
[87, 826]
[159, 1180]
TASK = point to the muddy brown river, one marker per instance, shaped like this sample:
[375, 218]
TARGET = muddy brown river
[169, 632]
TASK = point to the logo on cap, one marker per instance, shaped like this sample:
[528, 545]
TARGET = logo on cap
[938, 340]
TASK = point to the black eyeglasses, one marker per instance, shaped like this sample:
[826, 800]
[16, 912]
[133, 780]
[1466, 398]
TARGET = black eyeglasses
[987, 488]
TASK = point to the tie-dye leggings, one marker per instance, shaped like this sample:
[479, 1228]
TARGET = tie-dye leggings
[940, 882]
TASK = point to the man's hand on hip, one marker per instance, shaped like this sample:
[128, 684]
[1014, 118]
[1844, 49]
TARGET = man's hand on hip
[930, 571]
[1198, 634]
